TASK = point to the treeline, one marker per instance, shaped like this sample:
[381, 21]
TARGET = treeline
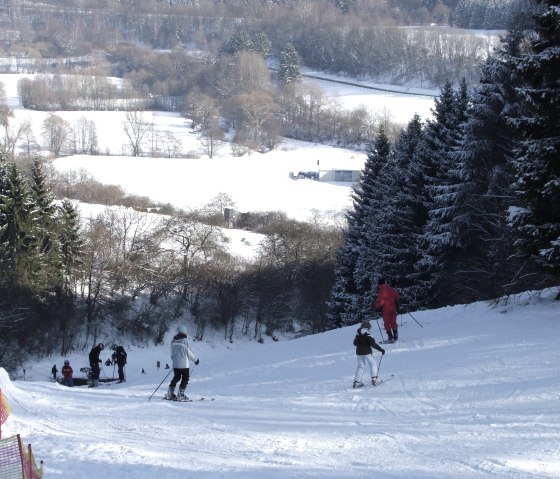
[236, 93]
[66, 282]
[73, 92]
[490, 14]
[358, 38]
[466, 206]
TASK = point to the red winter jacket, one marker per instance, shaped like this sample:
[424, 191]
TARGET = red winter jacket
[387, 298]
[67, 372]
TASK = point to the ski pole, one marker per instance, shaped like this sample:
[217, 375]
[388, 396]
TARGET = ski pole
[414, 319]
[107, 382]
[377, 321]
[160, 383]
[379, 365]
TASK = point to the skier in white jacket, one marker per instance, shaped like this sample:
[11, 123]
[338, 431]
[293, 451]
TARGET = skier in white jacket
[180, 355]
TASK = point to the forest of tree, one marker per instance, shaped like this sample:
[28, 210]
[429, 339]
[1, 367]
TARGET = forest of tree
[212, 59]
[65, 283]
[357, 37]
[465, 206]
[462, 207]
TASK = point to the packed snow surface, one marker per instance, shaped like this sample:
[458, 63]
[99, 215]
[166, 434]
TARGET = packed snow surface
[475, 394]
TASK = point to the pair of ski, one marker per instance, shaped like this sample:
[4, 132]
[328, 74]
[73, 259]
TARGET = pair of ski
[186, 400]
[371, 386]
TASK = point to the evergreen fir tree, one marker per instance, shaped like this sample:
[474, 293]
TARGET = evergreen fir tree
[18, 252]
[238, 42]
[49, 273]
[71, 243]
[407, 214]
[440, 188]
[536, 160]
[290, 66]
[262, 45]
[351, 295]
[373, 261]
[342, 302]
[481, 158]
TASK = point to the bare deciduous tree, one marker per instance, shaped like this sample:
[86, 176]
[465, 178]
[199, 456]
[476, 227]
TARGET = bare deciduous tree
[136, 129]
[85, 136]
[212, 137]
[14, 132]
[201, 109]
[56, 131]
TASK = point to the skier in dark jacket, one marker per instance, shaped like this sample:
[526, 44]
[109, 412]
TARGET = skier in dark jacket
[94, 363]
[119, 358]
[364, 343]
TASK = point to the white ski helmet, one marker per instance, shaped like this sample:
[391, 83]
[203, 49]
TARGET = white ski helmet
[182, 330]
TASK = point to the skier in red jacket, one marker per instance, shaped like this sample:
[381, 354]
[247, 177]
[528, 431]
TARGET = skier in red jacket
[387, 298]
[67, 372]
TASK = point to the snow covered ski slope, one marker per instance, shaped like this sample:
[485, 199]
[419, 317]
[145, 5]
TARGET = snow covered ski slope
[476, 394]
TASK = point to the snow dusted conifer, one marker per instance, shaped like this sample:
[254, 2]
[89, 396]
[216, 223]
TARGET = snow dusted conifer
[482, 167]
[18, 252]
[439, 188]
[290, 66]
[407, 214]
[536, 160]
[48, 274]
[376, 224]
[71, 244]
[353, 281]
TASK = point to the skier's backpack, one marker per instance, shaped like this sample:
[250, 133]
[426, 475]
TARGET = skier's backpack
[121, 354]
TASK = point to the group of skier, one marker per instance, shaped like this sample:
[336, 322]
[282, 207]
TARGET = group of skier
[119, 358]
[180, 356]
[387, 298]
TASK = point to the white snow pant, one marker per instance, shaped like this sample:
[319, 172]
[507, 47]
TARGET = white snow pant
[362, 360]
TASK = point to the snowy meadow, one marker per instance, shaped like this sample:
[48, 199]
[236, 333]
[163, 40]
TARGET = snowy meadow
[255, 182]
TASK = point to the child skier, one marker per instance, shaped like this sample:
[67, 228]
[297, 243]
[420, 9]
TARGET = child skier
[67, 374]
[364, 342]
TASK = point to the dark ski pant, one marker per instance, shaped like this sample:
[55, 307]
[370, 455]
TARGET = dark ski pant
[183, 375]
[120, 368]
[95, 371]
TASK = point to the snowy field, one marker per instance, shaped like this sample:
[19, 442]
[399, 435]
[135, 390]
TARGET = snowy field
[475, 394]
[259, 182]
